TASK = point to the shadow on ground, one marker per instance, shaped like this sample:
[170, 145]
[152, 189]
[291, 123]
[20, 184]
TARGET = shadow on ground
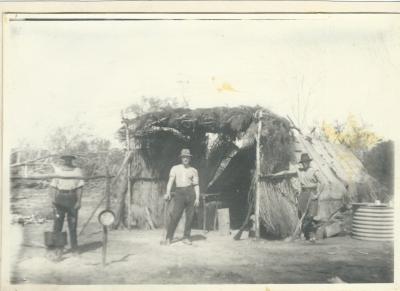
[88, 247]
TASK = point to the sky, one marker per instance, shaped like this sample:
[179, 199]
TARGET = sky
[311, 68]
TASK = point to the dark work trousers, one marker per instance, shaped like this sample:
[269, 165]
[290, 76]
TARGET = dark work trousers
[309, 226]
[182, 200]
[65, 206]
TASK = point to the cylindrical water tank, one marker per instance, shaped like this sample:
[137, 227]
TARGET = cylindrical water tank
[373, 222]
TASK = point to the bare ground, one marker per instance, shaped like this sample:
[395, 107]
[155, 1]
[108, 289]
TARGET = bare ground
[136, 256]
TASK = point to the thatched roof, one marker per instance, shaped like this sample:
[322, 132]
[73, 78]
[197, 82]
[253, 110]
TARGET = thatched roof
[230, 121]
[234, 125]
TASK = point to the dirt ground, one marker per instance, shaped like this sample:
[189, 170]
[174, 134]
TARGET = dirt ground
[136, 256]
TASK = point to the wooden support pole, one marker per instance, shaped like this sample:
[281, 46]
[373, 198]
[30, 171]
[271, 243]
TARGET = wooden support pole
[104, 250]
[91, 216]
[249, 210]
[108, 189]
[129, 191]
[108, 206]
[204, 213]
[104, 197]
[258, 173]
[18, 157]
[121, 209]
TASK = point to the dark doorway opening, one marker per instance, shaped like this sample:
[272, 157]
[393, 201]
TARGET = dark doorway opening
[233, 186]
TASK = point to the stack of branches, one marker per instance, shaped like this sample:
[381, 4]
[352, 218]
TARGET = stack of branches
[278, 209]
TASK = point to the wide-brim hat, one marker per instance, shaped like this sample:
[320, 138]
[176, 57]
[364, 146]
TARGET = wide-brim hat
[305, 158]
[185, 153]
[68, 157]
[317, 218]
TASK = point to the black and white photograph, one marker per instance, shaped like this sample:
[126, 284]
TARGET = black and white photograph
[170, 149]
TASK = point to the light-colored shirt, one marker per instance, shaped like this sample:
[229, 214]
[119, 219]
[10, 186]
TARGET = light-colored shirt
[67, 184]
[310, 178]
[184, 176]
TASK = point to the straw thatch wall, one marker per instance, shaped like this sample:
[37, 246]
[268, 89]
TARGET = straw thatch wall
[147, 192]
[280, 220]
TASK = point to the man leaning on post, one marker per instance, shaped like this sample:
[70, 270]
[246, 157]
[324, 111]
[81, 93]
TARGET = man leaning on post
[187, 195]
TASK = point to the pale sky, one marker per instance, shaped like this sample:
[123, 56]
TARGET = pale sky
[57, 72]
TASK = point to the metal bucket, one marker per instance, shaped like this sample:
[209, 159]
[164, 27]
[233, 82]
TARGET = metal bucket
[373, 222]
[55, 239]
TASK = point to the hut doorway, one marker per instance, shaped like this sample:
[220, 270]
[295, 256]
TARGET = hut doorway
[233, 186]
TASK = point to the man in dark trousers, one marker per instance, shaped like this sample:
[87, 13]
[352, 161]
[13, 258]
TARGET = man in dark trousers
[66, 196]
[308, 185]
[187, 195]
[309, 189]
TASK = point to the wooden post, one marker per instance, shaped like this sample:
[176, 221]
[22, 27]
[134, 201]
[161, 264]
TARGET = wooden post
[204, 213]
[108, 189]
[105, 239]
[26, 171]
[258, 166]
[18, 157]
[108, 206]
[129, 191]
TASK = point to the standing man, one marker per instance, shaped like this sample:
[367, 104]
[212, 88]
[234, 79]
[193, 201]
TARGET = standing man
[308, 185]
[66, 196]
[187, 195]
[309, 189]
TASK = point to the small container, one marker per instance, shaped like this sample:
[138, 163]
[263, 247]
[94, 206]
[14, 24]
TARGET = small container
[55, 239]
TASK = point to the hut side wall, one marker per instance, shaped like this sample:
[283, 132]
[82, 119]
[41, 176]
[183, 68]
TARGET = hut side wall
[147, 193]
[345, 178]
[278, 209]
[148, 189]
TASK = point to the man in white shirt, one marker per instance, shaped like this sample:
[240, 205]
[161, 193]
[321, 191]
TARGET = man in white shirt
[66, 196]
[187, 195]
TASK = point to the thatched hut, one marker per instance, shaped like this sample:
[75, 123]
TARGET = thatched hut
[223, 144]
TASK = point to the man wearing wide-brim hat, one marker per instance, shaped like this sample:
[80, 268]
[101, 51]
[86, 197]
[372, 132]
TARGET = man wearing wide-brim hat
[309, 188]
[186, 198]
[66, 196]
[308, 185]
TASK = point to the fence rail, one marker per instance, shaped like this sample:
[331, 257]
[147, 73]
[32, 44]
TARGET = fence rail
[48, 177]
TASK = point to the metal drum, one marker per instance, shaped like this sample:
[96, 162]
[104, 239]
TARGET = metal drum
[373, 222]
